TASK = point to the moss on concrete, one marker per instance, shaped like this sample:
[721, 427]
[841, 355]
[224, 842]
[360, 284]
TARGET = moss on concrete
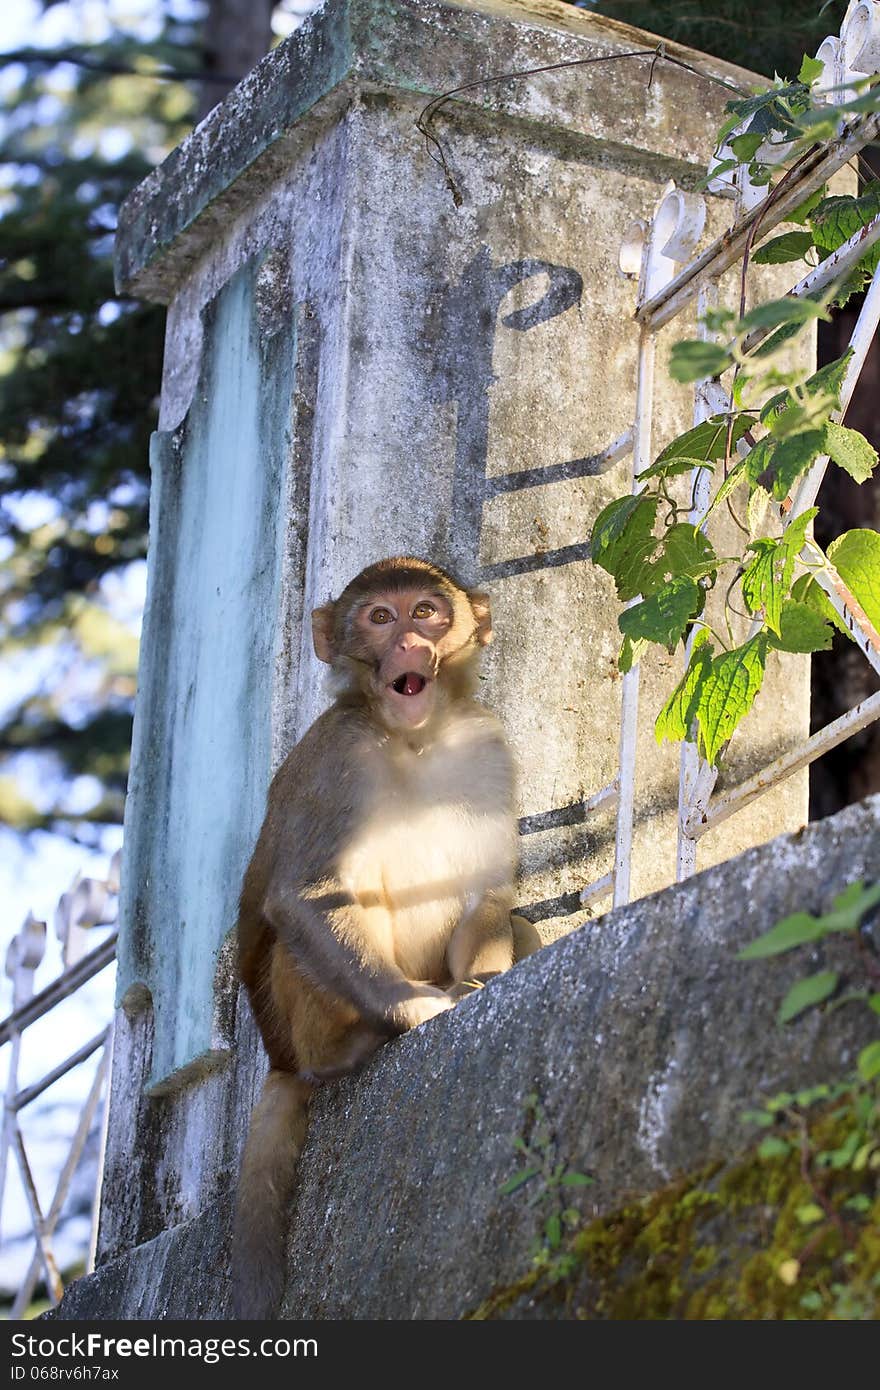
[728, 1241]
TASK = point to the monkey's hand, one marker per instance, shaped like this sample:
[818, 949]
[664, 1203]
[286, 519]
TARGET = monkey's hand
[420, 1007]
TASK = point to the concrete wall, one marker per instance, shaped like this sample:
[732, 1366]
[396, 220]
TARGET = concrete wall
[357, 366]
[644, 1039]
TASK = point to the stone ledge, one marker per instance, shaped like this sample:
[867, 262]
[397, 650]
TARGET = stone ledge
[416, 48]
[644, 1038]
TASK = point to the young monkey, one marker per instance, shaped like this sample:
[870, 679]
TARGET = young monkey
[380, 888]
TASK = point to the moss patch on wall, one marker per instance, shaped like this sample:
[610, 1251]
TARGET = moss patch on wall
[795, 1235]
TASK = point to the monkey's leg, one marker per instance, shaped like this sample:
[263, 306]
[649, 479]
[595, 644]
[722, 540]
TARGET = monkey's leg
[327, 1037]
[526, 937]
[352, 1052]
[481, 945]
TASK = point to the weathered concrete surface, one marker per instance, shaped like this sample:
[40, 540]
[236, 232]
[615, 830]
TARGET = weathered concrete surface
[402, 370]
[217, 524]
[422, 48]
[642, 1035]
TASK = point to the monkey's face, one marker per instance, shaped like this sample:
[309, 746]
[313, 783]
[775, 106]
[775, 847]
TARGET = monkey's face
[406, 634]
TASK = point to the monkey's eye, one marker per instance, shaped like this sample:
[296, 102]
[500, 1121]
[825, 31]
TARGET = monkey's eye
[381, 615]
[424, 610]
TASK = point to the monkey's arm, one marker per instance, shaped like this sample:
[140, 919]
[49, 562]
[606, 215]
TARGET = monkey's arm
[328, 934]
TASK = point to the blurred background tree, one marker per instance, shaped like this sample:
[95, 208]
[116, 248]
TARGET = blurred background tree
[763, 37]
[85, 113]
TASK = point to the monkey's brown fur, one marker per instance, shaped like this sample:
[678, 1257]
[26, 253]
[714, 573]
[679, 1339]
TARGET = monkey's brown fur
[381, 884]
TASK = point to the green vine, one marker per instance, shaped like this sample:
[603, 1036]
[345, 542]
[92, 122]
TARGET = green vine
[550, 1182]
[780, 422]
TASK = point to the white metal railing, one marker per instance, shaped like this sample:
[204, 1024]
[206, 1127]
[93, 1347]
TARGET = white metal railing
[659, 254]
[89, 903]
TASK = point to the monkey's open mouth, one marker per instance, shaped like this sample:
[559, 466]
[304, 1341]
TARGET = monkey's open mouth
[409, 684]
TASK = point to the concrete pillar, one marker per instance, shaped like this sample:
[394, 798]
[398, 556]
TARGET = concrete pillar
[358, 364]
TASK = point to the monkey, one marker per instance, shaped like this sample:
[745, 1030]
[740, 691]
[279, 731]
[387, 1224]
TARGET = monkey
[379, 892]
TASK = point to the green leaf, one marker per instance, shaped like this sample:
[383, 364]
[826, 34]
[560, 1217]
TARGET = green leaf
[811, 68]
[633, 514]
[717, 319]
[826, 383]
[829, 379]
[792, 457]
[838, 218]
[772, 345]
[729, 691]
[631, 654]
[764, 100]
[759, 501]
[773, 1147]
[792, 931]
[848, 909]
[860, 1203]
[553, 1231]
[803, 210]
[807, 591]
[745, 147]
[739, 473]
[791, 246]
[850, 906]
[664, 616]
[809, 1214]
[850, 451]
[874, 1003]
[576, 1180]
[856, 557]
[647, 565]
[631, 563]
[707, 440]
[757, 1117]
[767, 578]
[795, 535]
[869, 1061]
[809, 1096]
[802, 629]
[673, 467]
[757, 460]
[517, 1180]
[694, 359]
[684, 549]
[675, 718]
[844, 1155]
[806, 993]
[723, 166]
[763, 581]
[776, 312]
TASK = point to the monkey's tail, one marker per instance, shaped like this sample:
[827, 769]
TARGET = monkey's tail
[275, 1140]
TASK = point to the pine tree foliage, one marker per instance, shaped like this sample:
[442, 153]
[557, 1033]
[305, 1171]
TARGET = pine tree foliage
[79, 378]
[766, 38]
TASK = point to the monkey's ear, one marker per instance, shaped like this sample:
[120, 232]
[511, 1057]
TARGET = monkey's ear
[322, 632]
[482, 611]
